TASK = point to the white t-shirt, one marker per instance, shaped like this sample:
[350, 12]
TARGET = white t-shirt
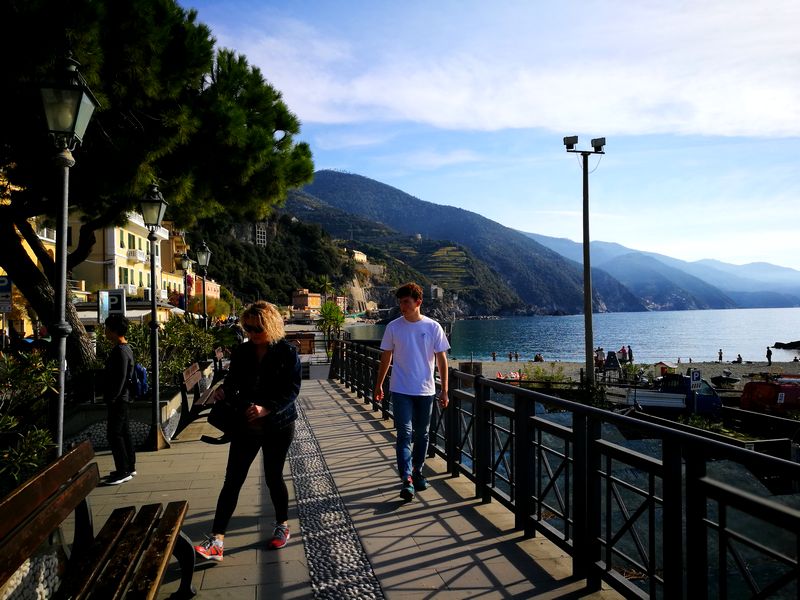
[413, 346]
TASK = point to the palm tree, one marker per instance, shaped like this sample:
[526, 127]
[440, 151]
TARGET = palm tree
[330, 323]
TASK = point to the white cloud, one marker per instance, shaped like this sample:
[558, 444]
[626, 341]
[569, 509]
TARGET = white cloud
[708, 68]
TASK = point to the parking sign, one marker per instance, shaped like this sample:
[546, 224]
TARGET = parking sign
[696, 379]
[5, 294]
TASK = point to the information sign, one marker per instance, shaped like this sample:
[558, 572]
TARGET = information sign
[5, 294]
[696, 380]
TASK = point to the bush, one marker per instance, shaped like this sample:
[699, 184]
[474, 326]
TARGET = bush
[27, 384]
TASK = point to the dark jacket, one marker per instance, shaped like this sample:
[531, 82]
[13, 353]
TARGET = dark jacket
[118, 374]
[273, 384]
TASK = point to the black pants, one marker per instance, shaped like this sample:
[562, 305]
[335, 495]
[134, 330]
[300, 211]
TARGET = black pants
[274, 446]
[119, 437]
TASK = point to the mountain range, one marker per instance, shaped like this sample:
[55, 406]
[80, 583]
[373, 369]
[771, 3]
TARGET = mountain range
[504, 271]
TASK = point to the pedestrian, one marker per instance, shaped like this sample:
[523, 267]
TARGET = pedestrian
[117, 381]
[412, 344]
[262, 384]
[494, 356]
[769, 356]
[630, 354]
[516, 356]
[623, 355]
[720, 355]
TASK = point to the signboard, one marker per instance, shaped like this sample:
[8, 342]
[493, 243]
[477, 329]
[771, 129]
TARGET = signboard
[5, 294]
[696, 379]
[116, 302]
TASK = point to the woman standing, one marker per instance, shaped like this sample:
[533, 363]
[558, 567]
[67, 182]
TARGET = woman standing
[263, 381]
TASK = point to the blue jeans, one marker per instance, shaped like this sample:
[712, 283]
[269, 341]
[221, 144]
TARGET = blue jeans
[412, 418]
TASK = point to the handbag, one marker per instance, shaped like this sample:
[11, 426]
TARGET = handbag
[224, 416]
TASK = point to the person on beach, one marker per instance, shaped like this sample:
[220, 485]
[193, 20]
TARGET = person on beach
[630, 354]
[494, 356]
[510, 357]
[516, 356]
[769, 356]
[262, 383]
[720, 355]
[117, 379]
[412, 344]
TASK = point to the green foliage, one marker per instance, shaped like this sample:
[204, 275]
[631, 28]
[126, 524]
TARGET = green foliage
[181, 345]
[330, 322]
[538, 372]
[26, 385]
[297, 255]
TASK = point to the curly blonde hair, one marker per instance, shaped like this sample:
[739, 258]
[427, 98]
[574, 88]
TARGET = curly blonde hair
[266, 316]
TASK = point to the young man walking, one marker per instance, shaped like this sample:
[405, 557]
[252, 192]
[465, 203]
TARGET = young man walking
[116, 393]
[413, 344]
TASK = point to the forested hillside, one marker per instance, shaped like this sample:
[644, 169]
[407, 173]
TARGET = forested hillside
[546, 282]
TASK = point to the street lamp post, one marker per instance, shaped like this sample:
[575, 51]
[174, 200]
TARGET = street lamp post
[597, 148]
[186, 262]
[68, 106]
[203, 258]
[153, 207]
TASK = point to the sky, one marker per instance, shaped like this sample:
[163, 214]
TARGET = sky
[466, 103]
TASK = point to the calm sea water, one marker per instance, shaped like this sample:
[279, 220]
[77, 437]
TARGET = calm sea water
[653, 336]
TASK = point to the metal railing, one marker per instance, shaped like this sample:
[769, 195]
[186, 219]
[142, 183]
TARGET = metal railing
[652, 511]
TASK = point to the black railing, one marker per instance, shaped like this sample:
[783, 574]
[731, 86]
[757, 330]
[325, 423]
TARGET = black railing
[652, 511]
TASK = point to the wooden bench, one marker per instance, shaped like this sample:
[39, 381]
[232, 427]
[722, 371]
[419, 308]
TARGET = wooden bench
[193, 400]
[128, 556]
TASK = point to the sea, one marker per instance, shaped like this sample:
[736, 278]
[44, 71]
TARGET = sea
[652, 336]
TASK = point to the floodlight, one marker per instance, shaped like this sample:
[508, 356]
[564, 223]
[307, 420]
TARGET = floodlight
[570, 142]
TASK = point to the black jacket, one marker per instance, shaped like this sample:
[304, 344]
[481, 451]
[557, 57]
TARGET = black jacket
[118, 374]
[274, 383]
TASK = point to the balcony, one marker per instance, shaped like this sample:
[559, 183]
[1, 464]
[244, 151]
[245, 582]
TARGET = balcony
[138, 256]
[164, 294]
[130, 289]
[158, 261]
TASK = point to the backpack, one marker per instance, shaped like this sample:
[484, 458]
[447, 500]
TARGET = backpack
[138, 382]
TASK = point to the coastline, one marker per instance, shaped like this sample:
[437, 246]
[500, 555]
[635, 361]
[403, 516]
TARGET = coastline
[572, 370]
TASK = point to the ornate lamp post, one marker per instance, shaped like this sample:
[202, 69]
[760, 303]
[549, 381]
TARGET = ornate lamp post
[153, 207]
[186, 262]
[68, 107]
[203, 258]
[597, 148]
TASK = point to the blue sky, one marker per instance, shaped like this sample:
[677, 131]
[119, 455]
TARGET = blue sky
[465, 103]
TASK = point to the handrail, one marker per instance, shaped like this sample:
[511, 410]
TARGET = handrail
[650, 510]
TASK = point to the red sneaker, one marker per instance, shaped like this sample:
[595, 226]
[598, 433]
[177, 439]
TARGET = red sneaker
[279, 537]
[211, 549]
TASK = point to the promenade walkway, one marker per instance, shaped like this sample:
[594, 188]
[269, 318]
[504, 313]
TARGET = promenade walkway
[352, 536]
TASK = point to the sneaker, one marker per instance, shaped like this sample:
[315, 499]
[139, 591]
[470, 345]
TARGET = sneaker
[211, 549]
[407, 491]
[117, 474]
[117, 478]
[279, 537]
[420, 483]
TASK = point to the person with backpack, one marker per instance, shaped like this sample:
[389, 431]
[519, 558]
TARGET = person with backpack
[117, 382]
[262, 384]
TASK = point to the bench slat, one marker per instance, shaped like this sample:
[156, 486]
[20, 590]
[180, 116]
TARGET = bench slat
[29, 534]
[156, 558]
[24, 500]
[116, 576]
[86, 564]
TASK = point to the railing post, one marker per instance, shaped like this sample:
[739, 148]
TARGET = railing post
[672, 523]
[483, 449]
[360, 372]
[580, 484]
[696, 531]
[523, 410]
[451, 426]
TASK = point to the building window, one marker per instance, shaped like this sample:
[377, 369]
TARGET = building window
[140, 243]
[140, 279]
[148, 280]
[120, 275]
[131, 241]
[121, 239]
[261, 234]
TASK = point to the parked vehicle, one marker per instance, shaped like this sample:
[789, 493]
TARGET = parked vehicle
[778, 396]
[674, 394]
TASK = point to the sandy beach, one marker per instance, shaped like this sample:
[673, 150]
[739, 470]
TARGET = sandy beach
[745, 370]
